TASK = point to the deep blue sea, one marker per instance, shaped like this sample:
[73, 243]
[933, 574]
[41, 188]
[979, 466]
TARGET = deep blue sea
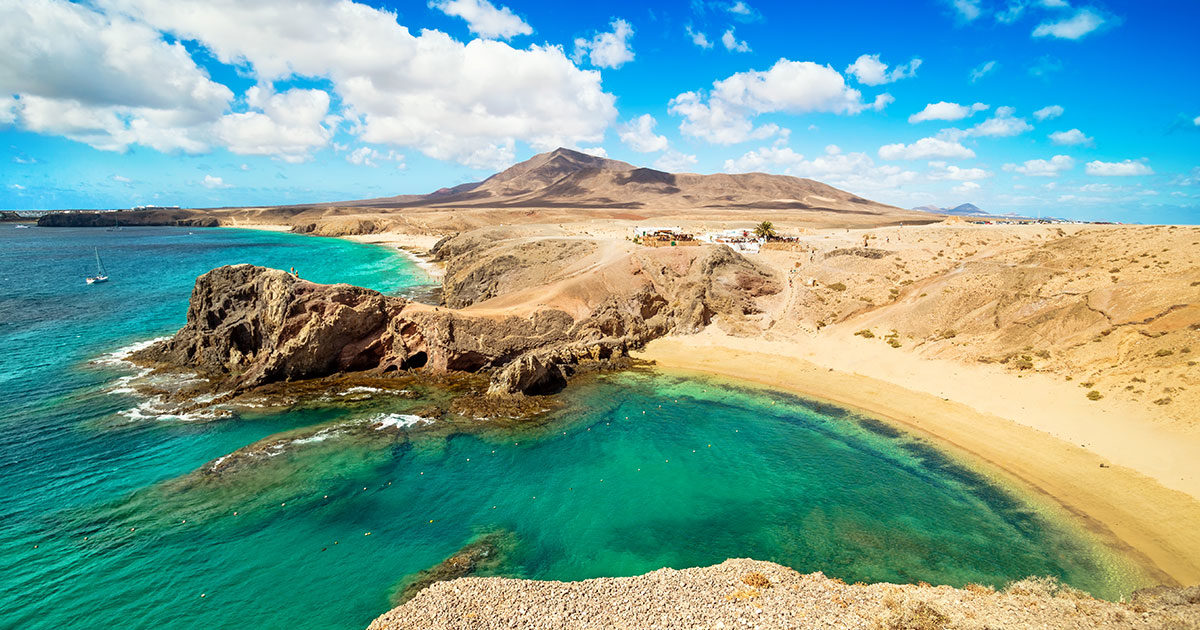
[99, 526]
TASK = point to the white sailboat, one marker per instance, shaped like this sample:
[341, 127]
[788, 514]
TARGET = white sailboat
[101, 275]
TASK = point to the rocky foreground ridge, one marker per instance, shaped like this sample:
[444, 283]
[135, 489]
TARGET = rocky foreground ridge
[250, 326]
[752, 594]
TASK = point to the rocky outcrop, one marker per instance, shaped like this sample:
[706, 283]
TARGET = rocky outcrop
[747, 593]
[248, 326]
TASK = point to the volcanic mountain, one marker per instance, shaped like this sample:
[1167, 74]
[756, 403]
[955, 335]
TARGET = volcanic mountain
[565, 178]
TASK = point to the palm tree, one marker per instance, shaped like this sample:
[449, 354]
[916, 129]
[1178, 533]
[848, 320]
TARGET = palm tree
[764, 230]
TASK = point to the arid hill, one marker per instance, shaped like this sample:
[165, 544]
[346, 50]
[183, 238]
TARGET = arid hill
[559, 186]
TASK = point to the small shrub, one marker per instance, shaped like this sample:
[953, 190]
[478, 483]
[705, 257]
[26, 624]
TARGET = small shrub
[893, 342]
[1087, 384]
[756, 579]
[1021, 363]
[1042, 354]
[1138, 379]
[837, 286]
[1164, 352]
[1163, 401]
[915, 616]
[949, 333]
[865, 334]
[1094, 395]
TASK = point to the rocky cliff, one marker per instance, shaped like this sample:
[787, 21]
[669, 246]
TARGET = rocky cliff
[249, 326]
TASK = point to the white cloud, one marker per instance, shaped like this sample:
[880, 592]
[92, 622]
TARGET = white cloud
[1043, 168]
[869, 70]
[1118, 169]
[596, 151]
[483, 18]
[121, 179]
[1070, 137]
[740, 8]
[84, 75]
[638, 134]
[941, 170]
[982, 70]
[214, 182]
[1003, 124]
[245, 167]
[368, 156]
[673, 161]
[851, 171]
[794, 87]
[1083, 22]
[1196, 121]
[290, 125]
[966, 188]
[1048, 112]
[8, 111]
[452, 101]
[698, 38]
[16, 187]
[607, 50]
[967, 9]
[932, 147]
[732, 44]
[945, 111]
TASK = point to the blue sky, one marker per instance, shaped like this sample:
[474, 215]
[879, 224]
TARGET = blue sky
[1045, 107]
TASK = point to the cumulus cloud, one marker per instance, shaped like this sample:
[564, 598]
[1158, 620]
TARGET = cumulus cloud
[1070, 137]
[925, 148]
[966, 187]
[1003, 124]
[795, 87]
[941, 170]
[732, 44]
[84, 75]
[1119, 169]
[852, 171]
[468, 102]
[946, 111]
[607, 50]
[1048, 112]
[869, 70]
[1084, 21]
[674, 161]
[214, 182]
[484, 19]
[1196, 121]
[290, 125]
[121, 179]
[968, 10]
[638, 134]
[368, 156]
[1043, 168]
[982, 70]
[698, 38]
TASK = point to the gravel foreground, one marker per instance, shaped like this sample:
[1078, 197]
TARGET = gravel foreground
[745, 593]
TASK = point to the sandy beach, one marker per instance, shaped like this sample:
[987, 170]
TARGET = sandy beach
[1116, 465]
[1140, 500]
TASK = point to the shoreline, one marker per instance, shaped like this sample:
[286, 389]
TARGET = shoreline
[1107, 469]
[1133, 513]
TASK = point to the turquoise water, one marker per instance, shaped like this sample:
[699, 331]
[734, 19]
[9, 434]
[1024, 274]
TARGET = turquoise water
[104, 525]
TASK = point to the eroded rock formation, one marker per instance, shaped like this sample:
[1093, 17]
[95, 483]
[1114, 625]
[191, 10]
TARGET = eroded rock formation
[248, 326]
